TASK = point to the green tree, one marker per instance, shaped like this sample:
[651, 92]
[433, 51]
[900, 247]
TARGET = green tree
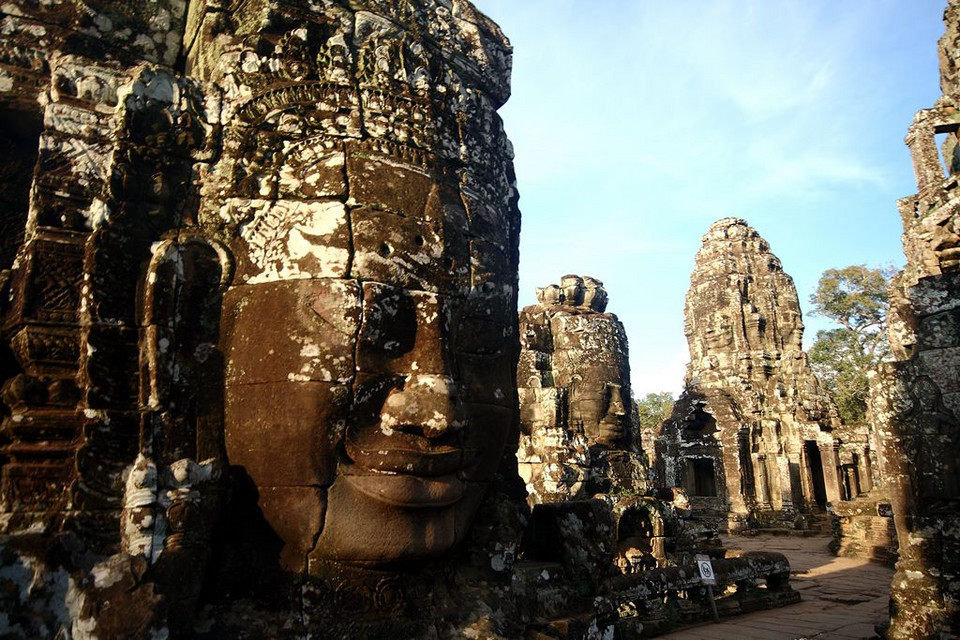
[856, 298]
[653, 409]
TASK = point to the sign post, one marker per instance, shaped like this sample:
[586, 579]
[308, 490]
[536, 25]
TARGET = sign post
[708, 579]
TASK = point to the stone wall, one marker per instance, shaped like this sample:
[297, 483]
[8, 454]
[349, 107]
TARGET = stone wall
[864, 528]
[917, 398]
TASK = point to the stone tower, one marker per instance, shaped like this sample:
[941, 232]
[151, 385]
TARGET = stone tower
[579, 436]
[751, 435]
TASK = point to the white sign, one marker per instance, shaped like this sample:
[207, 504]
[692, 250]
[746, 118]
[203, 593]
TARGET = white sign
[706, 570]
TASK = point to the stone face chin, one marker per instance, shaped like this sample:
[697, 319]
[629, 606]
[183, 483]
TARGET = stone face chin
[376, 520]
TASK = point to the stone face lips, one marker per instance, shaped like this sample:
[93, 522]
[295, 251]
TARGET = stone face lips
[751, 433]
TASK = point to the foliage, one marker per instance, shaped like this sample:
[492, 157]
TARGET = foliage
[856, 298]
[842, 367]
[653, 409]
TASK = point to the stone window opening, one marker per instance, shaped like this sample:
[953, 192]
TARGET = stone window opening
[700, 424]
[947, 149]
[933, 146]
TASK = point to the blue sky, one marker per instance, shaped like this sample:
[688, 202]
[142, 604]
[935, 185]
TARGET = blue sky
[637, 123]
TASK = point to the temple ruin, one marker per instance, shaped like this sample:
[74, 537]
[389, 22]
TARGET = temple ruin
[752, 437]
[259, 342]
[579, 436]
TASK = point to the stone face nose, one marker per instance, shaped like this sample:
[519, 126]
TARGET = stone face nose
[429, 403]
[615, 408]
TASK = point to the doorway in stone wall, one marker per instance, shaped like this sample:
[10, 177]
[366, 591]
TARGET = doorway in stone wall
[815, 467]
[700, 477]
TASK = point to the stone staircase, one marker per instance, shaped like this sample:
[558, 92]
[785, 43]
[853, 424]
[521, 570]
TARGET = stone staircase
[812, 524]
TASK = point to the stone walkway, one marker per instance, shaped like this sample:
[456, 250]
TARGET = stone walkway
[842, 598]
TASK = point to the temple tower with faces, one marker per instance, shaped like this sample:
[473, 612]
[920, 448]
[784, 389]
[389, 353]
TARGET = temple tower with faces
[751, 437]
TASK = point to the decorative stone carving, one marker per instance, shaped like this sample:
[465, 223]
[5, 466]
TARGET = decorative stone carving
[751, 437]
[359, 212]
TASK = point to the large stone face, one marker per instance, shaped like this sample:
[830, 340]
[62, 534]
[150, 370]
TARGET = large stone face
[579, 435]
[916, 398]
[269, 248]
[378, 233]
[752, 434]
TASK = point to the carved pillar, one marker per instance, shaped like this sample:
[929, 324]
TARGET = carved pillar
[786, 487]
[866, 470]
[831, 468]
[762, 489]
[43, 323]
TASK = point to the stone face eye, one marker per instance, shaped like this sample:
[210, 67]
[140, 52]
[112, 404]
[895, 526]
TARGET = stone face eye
[389, 322]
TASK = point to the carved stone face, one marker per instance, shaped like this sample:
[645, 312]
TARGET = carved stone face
[595, 295]
[370, 412]
[600, 411]
[720, 333]
[426, 429]
[370, 330]
[572, 287]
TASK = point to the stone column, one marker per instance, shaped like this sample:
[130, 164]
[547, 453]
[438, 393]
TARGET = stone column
[760, 473]
[831, 466]
[786, 486]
